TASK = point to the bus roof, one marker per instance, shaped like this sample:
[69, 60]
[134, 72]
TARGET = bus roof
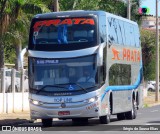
[79, 13]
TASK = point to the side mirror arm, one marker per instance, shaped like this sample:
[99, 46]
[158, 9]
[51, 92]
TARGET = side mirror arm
[21, 58]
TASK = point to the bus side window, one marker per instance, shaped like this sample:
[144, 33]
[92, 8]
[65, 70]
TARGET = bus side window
[120, 74]
[104, 62]
[114, 35]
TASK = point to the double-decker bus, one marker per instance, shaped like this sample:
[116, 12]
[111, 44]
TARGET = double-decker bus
[83, 64]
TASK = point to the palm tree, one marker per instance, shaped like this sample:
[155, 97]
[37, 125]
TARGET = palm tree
[10, 12]
[16, 34]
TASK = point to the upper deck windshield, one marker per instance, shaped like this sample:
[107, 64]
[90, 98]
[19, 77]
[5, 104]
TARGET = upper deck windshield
[63, 34]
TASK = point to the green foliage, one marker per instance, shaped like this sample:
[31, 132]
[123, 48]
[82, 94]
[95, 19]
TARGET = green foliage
[9, 50]
[79, 4]
[14, 25]
[118, 7]
[134, 11]
[20, 13]
[148, 52]
[145, 105]
[114, 6]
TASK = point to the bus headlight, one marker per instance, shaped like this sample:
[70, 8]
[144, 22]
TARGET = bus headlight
[36, 102]
[93, 99]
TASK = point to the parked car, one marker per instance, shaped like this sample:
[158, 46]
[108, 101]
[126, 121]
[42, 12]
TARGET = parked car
[8, 87]
[151, 86]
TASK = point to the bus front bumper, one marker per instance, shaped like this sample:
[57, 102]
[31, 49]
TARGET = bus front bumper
[86, 111]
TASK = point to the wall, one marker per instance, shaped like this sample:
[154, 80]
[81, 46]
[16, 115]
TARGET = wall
[13, 102]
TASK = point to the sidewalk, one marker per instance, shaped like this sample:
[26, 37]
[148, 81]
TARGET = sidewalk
[14, 118]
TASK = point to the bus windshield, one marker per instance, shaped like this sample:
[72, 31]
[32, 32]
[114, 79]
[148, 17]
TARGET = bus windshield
[59, 32]
[54, 75]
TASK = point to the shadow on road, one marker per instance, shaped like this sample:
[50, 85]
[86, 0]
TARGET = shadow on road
[154, 122]
[10, 122]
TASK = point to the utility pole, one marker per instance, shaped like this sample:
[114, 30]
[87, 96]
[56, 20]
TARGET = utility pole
[129, 9]
[56, 6]
[157, 54]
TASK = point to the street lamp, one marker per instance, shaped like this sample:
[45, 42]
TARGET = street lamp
[157, 54]
[129, 9]
[129, 4]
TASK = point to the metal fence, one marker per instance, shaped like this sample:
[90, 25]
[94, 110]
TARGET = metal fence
[13, 91]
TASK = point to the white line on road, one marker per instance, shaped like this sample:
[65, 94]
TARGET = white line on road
[154, 110]
[139, 113]
[148, 124]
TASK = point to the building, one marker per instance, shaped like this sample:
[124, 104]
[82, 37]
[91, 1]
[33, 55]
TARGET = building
[149, 22]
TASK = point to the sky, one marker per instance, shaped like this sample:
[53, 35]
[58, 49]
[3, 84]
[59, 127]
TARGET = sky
[151, 4]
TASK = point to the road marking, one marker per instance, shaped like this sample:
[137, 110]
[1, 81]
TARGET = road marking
[83, 131]
[139, 113]
[148, 124]
[154, 110]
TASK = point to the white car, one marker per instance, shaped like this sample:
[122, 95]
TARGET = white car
[151, 86]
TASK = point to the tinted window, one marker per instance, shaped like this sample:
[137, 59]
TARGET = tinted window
[120, 74]
[122, 33]
[63, 34]
[69, 72]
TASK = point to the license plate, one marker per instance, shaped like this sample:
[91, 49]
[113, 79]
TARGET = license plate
[60, 113]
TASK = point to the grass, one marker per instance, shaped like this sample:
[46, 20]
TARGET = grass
[145, 105]
[150, 100]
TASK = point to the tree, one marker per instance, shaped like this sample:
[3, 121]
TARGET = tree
[118, 7]
[15, 38]
[148, 53]
[135, 16]
[79, 5]
[10, 12]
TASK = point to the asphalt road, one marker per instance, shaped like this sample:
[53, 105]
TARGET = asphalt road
[145, 118]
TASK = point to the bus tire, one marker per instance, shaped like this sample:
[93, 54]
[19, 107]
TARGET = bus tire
[46, 122]
[133, 113]
[105, 119]
[121, 116]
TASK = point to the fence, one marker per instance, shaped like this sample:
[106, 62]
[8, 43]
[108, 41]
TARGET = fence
[13, 91]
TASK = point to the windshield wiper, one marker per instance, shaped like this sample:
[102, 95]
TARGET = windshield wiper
[76, 85]
[42, 89]
[91, 87]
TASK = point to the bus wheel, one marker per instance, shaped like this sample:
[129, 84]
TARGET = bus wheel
[133, 113]
[105, 119]
[47, 122]
[121, 116]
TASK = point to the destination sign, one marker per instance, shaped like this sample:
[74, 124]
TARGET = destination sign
[41, 61]
[68, 21]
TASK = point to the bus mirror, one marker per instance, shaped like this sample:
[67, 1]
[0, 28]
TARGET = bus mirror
[100, 54]
[20, 57]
